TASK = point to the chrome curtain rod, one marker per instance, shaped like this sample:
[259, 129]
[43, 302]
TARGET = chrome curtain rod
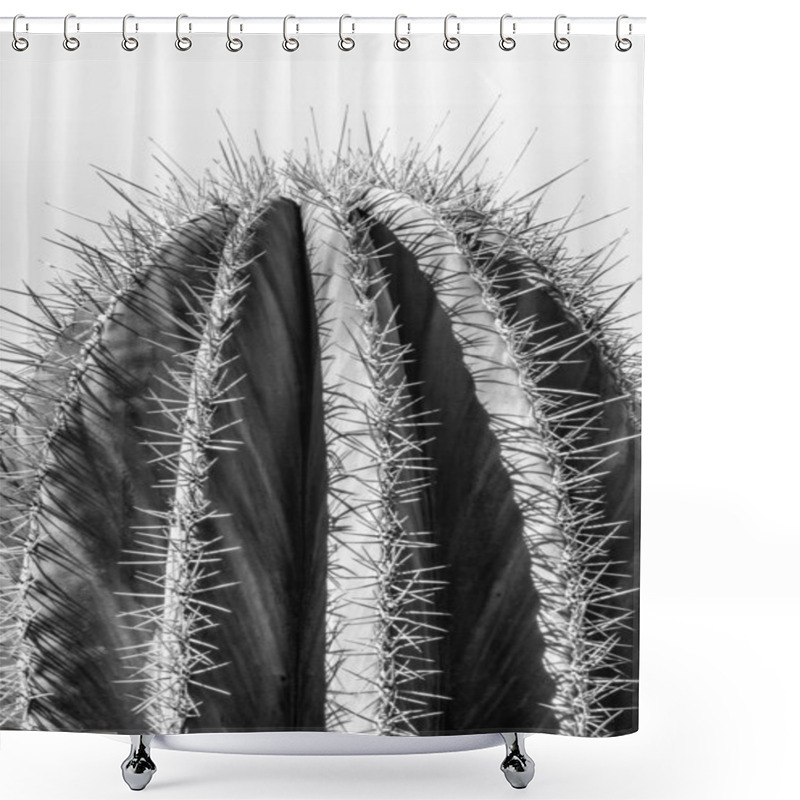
[461, 26]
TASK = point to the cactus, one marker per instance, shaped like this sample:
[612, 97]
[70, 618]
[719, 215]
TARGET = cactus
[344, 443]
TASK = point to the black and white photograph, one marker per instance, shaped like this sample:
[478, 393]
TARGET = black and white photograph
[332, 437]
[321, 392]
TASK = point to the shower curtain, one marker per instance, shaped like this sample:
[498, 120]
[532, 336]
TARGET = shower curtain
[320, 397]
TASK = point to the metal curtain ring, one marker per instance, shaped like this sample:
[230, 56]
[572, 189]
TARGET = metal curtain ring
[234, 45]
[507, 42]
[181, 42]
[345, 42]
[18, 42]
[70, 42]
[623, 45]
[401, 42]
[561, 43]
[451, 42]
[129, 43]
[289, 44]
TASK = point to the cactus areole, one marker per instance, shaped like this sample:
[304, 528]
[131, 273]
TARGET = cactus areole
[341, 444]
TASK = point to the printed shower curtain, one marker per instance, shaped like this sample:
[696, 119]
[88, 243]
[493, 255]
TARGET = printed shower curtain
[320, 400]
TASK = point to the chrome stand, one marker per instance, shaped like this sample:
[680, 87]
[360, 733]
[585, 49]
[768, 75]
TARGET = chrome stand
[517, 766]
[138, 768]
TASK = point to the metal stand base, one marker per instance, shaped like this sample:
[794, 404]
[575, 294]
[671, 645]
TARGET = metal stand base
[517, 766]
[138, 768]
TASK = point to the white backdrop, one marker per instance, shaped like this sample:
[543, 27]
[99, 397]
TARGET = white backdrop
[103, 104]
[720, 542]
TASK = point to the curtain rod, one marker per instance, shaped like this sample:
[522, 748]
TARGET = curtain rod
[463, 26]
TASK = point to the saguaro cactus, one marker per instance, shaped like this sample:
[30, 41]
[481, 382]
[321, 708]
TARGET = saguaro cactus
[356, 435]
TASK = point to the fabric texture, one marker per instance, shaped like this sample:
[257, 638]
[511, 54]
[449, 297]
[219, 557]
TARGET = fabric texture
[321, 395]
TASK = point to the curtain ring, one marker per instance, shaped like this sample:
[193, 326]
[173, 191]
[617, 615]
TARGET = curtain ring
[623, 45]
[507, 42]
[451, 42]
[289, 44]
[181, 42]
[345, 42]
[129, 43]
[234, 45]
[561, 43]
[18, 42]
[401, 42]
[70, 42]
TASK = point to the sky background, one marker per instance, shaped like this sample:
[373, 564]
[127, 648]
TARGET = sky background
[101, 105]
